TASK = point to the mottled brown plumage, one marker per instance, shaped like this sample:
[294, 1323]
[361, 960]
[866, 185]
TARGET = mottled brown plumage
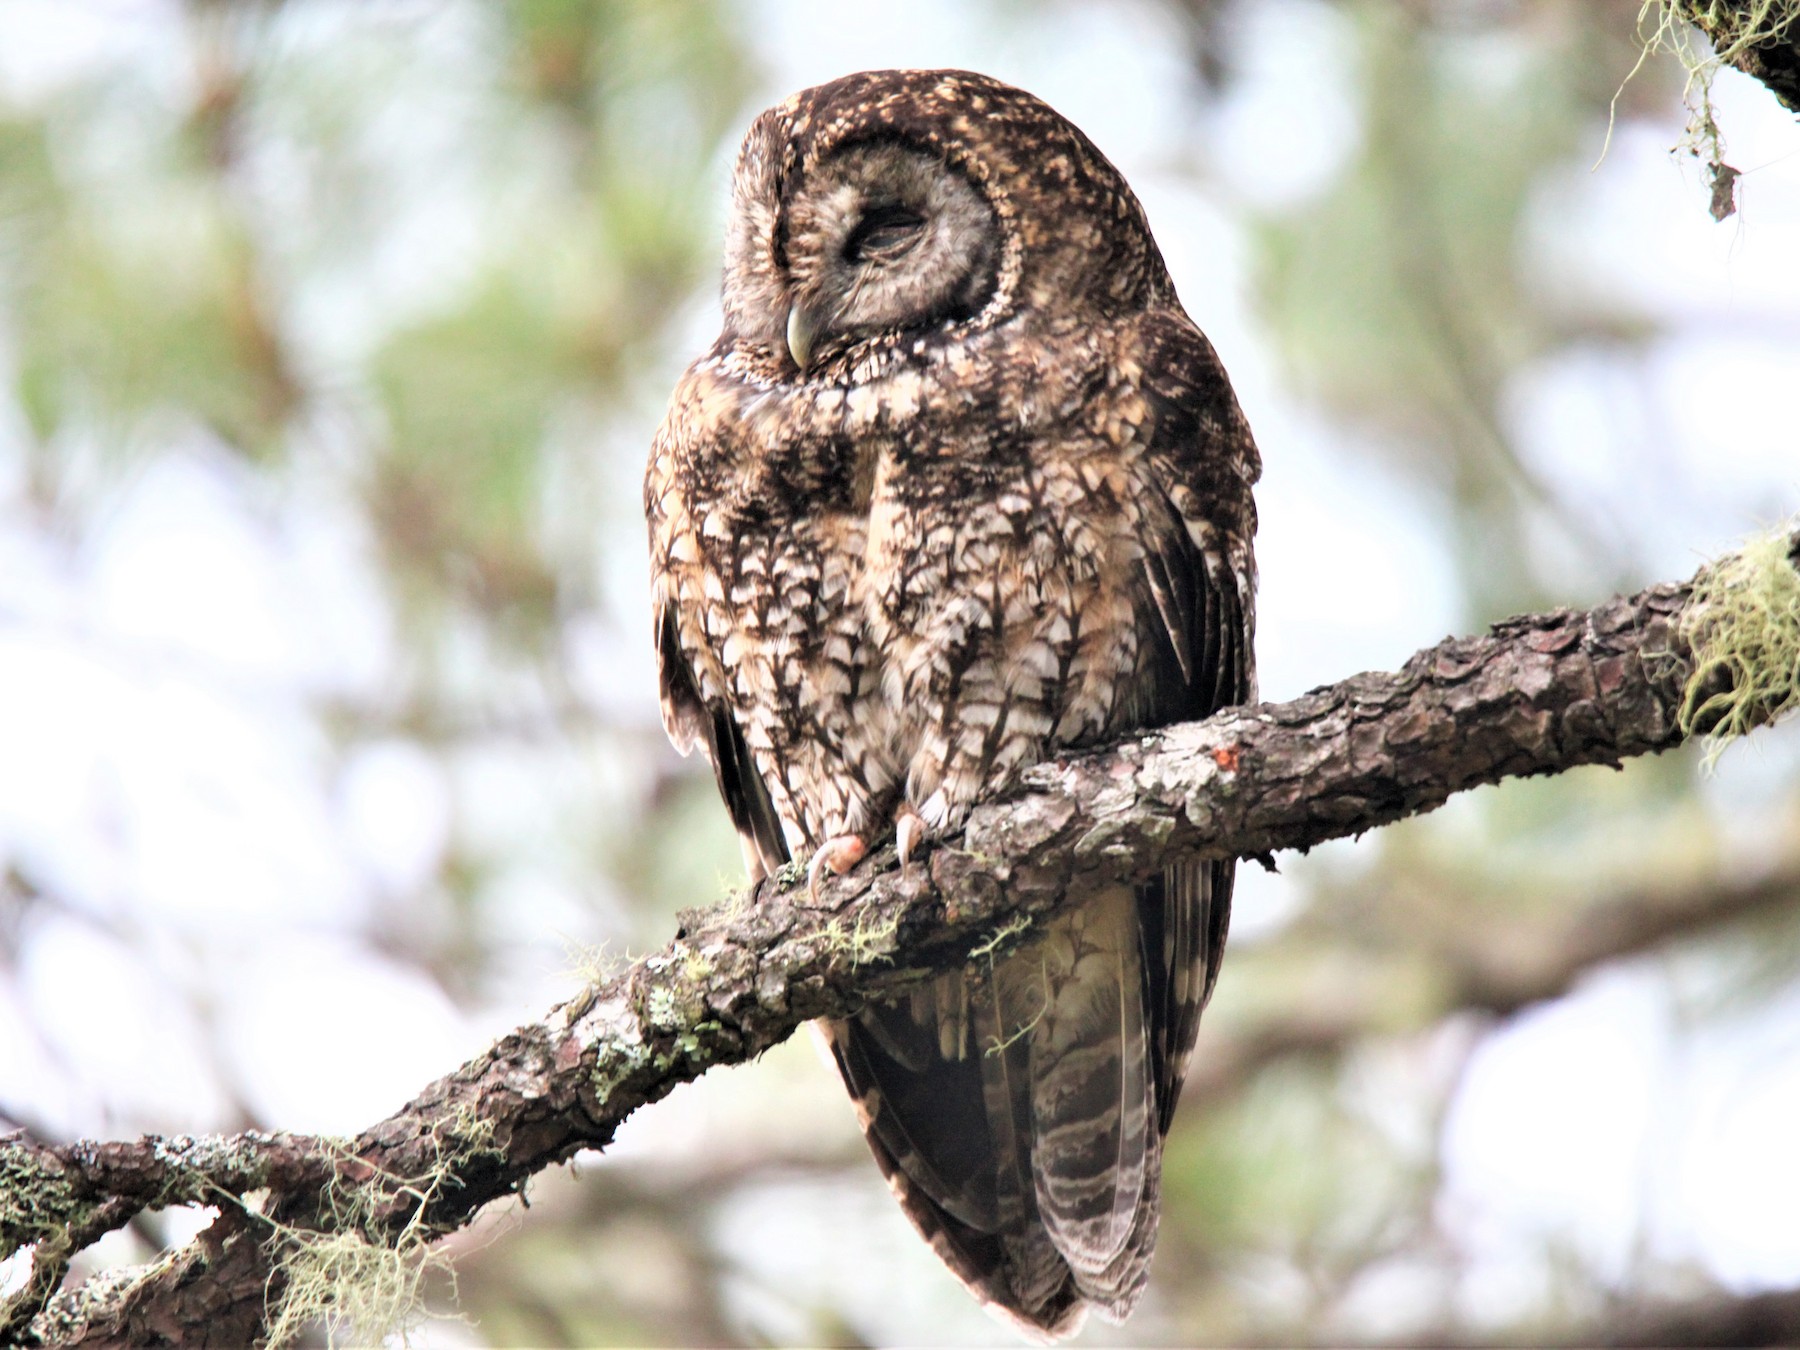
[958, 486]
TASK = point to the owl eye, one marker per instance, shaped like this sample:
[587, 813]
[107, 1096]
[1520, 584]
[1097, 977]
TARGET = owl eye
[883, 232]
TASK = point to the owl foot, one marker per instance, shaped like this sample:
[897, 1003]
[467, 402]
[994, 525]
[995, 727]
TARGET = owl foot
[909, 833]
[840, 853]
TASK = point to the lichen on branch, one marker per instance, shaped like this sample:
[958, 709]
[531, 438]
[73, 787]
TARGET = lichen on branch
[1743, 627]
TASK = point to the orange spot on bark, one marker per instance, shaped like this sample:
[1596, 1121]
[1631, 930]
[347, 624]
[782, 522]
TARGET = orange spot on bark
[1226, 757]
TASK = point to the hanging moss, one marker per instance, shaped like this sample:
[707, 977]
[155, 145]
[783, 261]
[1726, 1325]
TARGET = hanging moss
[1743, 625]
[1733, 32]
[363, 1282]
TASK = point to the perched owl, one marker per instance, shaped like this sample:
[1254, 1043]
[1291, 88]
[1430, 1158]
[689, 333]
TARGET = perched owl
[961, 486]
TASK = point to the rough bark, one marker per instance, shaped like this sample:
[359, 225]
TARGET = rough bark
[1538, 694]
[1772, 55]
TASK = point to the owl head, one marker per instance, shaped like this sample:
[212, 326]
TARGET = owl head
[919, 208]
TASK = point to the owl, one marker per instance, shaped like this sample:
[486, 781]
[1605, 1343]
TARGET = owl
[958, 488]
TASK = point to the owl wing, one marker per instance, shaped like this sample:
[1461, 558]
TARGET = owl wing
[1097, 1165]
[1196, 623]
[1200, 577]
[1027, 1164]
[692, 720]
[694, 714]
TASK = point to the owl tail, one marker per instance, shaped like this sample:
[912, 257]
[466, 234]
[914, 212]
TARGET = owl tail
[1013, 1112]
[1070, 1020]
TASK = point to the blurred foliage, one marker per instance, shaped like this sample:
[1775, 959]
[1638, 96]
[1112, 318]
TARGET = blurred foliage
[165, 278]
[633, 100]
[1403, 296]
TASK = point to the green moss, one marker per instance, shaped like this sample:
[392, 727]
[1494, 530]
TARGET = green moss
[999, 1045]
[592, 964]
[697, 966]
[37, 1210]
[1001, 938]
[614, 1065]
[662, 1007]
[1677, 28]
[344, 1279]
[692, 1042]
[864, 938]
[1002, 943]
[1743, 626]
[36, 1203]
[69, 1315]
[353, 1275]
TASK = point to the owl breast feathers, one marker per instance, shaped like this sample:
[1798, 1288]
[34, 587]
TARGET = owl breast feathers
[959, 486]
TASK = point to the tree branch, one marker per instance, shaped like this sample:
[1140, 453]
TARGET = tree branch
[1760, 39]
[1538, 694]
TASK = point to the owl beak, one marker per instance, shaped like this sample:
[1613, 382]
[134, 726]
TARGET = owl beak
[802, 329]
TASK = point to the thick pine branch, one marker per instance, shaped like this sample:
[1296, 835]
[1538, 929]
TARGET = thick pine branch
[1536, 695]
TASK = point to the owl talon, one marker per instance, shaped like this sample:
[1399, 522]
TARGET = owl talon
[909, 833]
[840, 854]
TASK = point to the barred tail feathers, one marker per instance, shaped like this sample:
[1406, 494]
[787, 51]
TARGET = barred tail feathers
[1016, 1117]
